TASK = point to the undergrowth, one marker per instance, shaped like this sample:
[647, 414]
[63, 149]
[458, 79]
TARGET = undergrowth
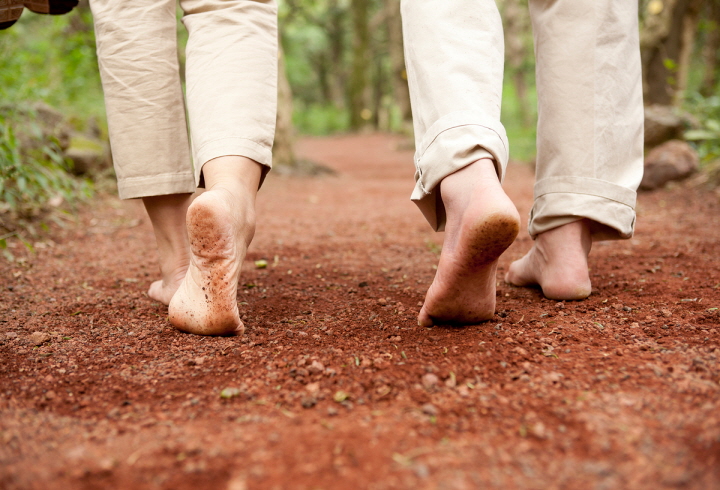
[34, 176]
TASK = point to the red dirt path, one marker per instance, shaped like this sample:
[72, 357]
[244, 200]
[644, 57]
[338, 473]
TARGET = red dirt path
[334, 385]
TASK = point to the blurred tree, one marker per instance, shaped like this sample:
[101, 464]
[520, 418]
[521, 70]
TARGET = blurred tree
[518, 53]
[283, 147]
[360, 114]
[345, 64]
[398, 77]
[667, 43]
[710, 48]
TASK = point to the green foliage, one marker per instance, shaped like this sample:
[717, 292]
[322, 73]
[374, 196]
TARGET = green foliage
[35, 173]
[319, 119]
[52, 59]
[48, 59]
[521, 134]
[706, 138]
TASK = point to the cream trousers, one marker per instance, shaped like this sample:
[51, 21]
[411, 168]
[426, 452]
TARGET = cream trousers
[590, 111]
[231, 87]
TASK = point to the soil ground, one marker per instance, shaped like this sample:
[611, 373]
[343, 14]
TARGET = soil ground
[334, 385]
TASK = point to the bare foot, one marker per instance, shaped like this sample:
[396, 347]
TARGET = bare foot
[167, 214]
[481, 223]
[557, 262]
[220, 226]
[164, 289]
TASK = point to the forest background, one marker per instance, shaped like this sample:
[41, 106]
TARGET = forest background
[341, 70]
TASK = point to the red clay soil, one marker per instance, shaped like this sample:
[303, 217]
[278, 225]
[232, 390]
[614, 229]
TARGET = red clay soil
[334, 385]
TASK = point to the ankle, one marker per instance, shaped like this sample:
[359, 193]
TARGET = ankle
[571, 237]
[457, 186]
[174, 263]
[237, 174]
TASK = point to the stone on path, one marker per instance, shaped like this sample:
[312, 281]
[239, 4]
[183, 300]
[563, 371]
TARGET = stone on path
[662, 123]
[673, 160]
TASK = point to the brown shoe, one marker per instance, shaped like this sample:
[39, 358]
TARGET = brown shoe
[52, 7]
[10, 12]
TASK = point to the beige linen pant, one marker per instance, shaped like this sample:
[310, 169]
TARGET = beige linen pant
[590, 112]
[231, 80]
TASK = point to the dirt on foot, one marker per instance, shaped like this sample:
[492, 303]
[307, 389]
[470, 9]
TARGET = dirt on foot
[333, 384]
[206, 301]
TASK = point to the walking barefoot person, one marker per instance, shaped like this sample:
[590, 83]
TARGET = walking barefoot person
[231, 74]
[589, 148]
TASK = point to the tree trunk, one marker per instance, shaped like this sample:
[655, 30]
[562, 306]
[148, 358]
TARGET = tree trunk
[711, 51]
[515, 26]
[358, 84]
[666, 48]
[398, 77]
[283, 148]
[687, 43]
[335, 32]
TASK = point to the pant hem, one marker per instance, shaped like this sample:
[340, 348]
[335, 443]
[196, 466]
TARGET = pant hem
[612, 220]
[451, 143]
[157, 185]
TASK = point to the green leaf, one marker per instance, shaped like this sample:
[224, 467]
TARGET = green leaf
[713, 125]
[670, 64]
[701, 134]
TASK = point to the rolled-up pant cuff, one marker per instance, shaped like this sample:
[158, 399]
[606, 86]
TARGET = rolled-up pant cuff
[562, 200]
[156, 185]
[451, 143]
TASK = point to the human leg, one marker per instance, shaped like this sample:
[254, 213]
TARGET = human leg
[137, 55]
[590, 136]
[220, 227]
[455, 66]
[167, 215]
[231, 90]
[481, 223]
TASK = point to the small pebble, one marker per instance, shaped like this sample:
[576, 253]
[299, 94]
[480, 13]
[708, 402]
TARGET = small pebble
[316, 367]
[421, 471]
[538, 430]
[380, 363]
[38, 338]
[430, 381]
[430, 409]
[521, 351]
[308, 401]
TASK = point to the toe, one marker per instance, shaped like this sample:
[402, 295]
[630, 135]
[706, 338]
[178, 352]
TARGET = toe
[424, 320]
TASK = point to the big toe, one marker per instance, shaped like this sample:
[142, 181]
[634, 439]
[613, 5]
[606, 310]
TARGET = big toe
[424, 319]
